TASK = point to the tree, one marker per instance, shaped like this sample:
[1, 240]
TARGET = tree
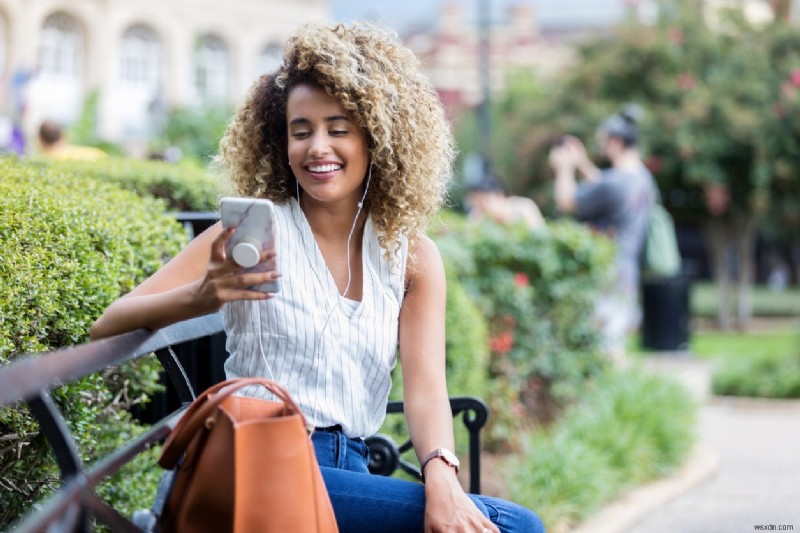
[723, 112]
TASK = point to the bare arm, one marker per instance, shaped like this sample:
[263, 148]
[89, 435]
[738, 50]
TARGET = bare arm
[582, 161]
[430, 421]
[565, 189]
[567, 160]
[197, 281]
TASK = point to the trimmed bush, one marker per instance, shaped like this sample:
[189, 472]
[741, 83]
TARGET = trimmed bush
[761, 376]
[537, 291]
[467, 356]
[627, 429]
[184, 186]
[71, 245]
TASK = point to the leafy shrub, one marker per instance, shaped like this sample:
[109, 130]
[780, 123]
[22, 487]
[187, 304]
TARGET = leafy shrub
[184, 186]
[627, 429]
[762, 376]
[467, 356]
[196, 131]
[537, 290]
[71, 245]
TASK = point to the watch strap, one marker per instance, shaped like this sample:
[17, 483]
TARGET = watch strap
[438, 453]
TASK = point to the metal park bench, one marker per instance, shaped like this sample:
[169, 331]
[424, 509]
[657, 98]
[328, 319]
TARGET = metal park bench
[29, 379]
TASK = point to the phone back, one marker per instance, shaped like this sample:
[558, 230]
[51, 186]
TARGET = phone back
[254, 221]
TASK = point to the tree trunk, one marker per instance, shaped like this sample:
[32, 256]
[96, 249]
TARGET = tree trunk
[782, 10]
[733, 236]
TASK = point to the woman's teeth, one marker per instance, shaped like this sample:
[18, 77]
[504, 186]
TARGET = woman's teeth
[324, 168]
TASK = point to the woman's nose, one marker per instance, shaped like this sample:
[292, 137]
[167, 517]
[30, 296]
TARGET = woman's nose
[319, 145]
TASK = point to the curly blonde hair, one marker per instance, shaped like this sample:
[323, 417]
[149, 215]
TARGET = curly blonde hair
[377, 79]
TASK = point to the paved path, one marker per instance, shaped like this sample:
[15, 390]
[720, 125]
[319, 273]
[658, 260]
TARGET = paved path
[757, 443]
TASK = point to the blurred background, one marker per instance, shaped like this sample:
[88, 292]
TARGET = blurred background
[143, 91]
[161, 79]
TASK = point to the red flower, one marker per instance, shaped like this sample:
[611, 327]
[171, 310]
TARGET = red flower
[521, 279]
[794, 78]
[502, 343]
[686, 81]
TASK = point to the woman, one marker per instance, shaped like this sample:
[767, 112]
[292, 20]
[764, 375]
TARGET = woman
[351, 143]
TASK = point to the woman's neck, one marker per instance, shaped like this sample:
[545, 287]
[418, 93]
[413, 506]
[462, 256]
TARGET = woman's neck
[332, 223]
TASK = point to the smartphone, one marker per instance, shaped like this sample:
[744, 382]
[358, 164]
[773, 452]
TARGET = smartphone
[255, 231]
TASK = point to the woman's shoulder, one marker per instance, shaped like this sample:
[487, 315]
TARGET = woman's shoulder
[423, 257]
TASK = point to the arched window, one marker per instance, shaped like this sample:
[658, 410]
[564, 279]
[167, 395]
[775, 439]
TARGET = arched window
[270, 58]
[61, 47]
[212, 68]
[140, 57]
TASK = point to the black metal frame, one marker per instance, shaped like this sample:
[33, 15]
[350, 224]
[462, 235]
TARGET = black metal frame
[386, 456]
[29, 379]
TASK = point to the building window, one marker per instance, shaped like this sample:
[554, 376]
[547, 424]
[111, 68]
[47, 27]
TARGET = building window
[212, 68]
[270, 58]
[140, 57]
[61, 47]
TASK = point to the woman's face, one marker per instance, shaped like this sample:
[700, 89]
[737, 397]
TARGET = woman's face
[327, 149]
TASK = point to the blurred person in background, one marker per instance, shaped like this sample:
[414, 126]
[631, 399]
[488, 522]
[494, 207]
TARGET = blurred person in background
[617, 202]
[487, 199]
[54, 146]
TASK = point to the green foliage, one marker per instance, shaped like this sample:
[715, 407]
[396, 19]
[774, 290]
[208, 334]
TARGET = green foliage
[84, 130]
[71, 245]
[537, 290]
[762, 376]
[765, 301]
[467, 356]
[626, 429]
[196, 130]
[184, 186]
[722, 106]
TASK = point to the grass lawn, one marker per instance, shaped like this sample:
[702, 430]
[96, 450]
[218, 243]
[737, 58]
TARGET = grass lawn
[716, 344]
[757, 342]
[766, 302]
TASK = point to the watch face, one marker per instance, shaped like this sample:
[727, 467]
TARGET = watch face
[449, 457]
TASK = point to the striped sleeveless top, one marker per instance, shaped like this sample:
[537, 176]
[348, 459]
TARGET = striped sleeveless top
[335, 356]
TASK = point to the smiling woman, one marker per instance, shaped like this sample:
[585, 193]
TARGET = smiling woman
[350, 142]
[328, 151]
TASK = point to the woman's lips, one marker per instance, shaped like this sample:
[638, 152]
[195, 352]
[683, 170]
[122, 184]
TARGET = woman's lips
[322, 171]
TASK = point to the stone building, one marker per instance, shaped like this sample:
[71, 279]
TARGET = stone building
[140, 56]
[449, 51]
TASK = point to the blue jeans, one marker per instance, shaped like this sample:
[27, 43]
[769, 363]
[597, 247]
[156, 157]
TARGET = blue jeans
[364, 502]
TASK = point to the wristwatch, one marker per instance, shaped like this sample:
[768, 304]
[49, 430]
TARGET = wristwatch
[440, 453]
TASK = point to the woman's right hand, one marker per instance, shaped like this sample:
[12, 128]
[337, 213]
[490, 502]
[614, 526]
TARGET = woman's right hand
[225, 281]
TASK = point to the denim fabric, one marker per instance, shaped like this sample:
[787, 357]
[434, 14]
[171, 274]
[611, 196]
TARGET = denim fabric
[365, 503]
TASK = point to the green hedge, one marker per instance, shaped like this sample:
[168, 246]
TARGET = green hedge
[467, 356]
[761, 376]
[627, 429]
[184, 187]
[71, 245]
[537, 291]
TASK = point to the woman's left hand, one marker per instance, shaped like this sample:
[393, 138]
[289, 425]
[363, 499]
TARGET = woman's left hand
[447, 507]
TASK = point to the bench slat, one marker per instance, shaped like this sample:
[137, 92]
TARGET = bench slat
[23, 378]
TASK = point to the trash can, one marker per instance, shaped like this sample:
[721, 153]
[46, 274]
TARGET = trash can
[665, 313]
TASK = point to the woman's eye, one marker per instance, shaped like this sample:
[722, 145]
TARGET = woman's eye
[338, 132]
[300, 134]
